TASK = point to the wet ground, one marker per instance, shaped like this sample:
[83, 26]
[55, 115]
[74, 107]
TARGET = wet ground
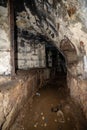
[51, 109]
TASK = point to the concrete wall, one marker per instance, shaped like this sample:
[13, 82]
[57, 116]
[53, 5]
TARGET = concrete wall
[5, 67]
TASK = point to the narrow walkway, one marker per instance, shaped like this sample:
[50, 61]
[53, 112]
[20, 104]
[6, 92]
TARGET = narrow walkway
[51, 109]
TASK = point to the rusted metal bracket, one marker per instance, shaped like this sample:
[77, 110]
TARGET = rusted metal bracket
[12, 40]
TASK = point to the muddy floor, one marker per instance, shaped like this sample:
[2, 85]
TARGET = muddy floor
[51, 109]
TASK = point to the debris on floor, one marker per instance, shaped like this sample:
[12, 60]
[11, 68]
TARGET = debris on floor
[36, 124]
[60, 116]
[37, 94]
[55, 120]
[45, 124]
[41, 113]
[55, 109]
[52, 109]
[43, 117]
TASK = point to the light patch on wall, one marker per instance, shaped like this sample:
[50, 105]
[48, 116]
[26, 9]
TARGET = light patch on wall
[3, 11]
[4, 40]
[83, 11]
[5, 67]
[85, 63]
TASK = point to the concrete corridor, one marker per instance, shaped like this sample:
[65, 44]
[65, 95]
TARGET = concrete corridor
[51, 109]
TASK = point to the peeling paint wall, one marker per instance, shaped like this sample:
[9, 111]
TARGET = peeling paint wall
[30, 53]
[5, 67]
[31, 56]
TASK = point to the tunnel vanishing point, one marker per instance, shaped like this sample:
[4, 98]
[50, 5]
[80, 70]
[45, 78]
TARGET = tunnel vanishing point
[28, 29]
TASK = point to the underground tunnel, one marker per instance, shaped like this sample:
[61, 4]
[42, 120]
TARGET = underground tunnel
[43, 65]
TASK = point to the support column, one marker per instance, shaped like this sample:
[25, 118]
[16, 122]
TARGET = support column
[12, 40]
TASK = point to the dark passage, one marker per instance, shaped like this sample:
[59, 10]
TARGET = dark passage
[51, 109]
